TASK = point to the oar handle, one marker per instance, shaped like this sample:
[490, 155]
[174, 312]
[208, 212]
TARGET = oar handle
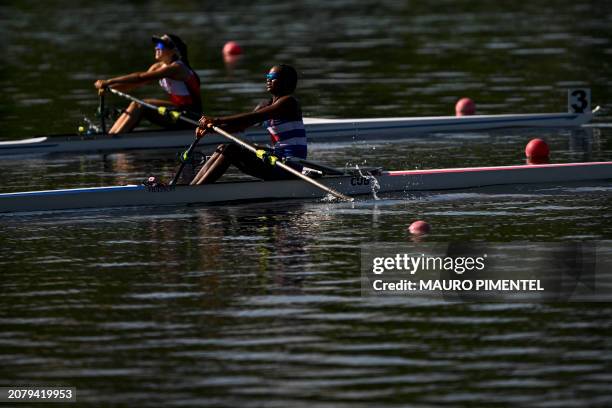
[283, 166]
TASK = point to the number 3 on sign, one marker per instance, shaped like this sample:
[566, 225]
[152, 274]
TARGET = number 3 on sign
[579, 101]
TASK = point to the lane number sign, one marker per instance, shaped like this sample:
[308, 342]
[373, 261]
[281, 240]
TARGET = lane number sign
[579, 100]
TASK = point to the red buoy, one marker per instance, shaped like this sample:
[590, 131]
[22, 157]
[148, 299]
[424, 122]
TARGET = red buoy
[465, 107]
[538, 160]
[232, 48]
[537, 150]
[419, 228]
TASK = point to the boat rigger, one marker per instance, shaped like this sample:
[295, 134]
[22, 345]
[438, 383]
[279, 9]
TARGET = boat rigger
[350, 183]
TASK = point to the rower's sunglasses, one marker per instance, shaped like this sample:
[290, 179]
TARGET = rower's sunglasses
[162, 46]
[271, 76]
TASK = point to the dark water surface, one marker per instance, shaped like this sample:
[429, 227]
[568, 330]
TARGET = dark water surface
[259, 304]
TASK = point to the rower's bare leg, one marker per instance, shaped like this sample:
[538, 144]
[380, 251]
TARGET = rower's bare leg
[213, 168]
[133, 114]
[128, 119]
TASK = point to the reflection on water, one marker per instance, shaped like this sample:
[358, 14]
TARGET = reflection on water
[256, 305]
[582, 143]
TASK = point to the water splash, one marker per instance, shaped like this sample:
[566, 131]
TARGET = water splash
[374, 184]
[329, 198]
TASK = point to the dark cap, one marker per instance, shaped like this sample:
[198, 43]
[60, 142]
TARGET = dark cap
[165, 39]
[173, 42]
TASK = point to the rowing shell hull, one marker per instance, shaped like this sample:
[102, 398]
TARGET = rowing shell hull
[318, 130]
[406, 181]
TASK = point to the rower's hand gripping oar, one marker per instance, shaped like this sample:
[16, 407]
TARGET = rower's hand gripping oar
[275, 162]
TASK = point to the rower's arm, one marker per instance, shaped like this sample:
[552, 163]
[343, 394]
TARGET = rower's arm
[284, 106]
[135, 79]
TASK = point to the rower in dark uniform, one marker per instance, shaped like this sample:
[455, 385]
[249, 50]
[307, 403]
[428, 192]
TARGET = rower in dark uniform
[282, 116]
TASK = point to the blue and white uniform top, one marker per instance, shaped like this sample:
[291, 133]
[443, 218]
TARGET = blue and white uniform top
[288, 137]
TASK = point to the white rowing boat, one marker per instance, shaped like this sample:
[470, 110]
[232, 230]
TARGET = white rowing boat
[350, 184]
[318, 130]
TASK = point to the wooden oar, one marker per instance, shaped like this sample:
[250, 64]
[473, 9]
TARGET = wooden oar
[273, 160]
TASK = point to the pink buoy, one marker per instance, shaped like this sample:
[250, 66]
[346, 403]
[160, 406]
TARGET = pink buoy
[465, 107]
[419, 228]
[537, 149]
[232, 48]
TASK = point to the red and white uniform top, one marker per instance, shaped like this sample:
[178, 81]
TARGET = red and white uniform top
[183, 93]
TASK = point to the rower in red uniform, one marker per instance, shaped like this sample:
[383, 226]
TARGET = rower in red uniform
[175, 76]
[282, 115]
